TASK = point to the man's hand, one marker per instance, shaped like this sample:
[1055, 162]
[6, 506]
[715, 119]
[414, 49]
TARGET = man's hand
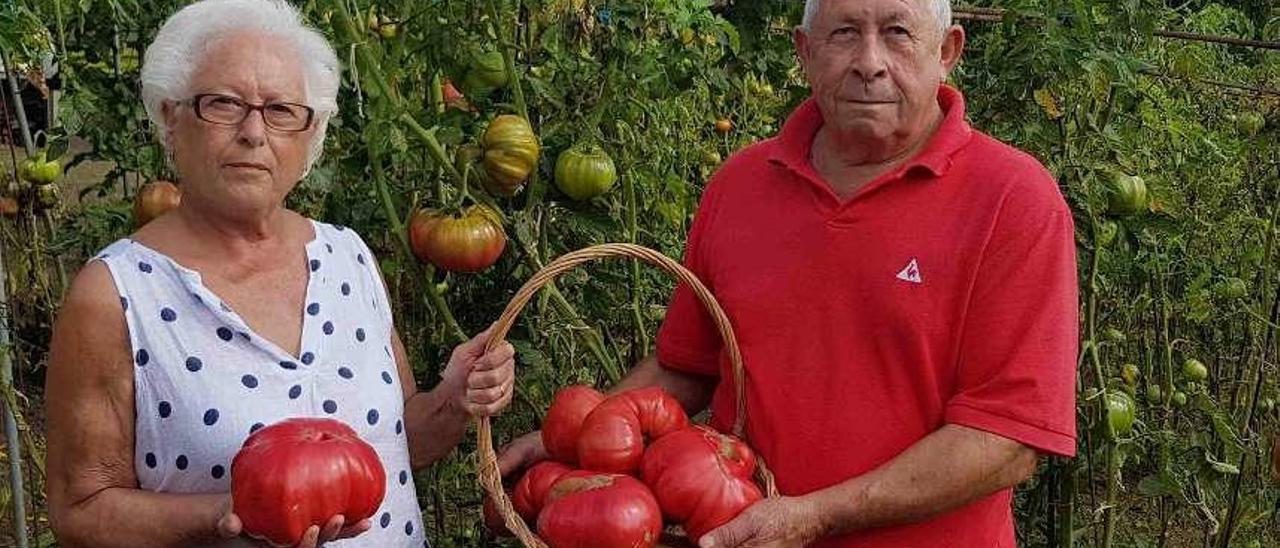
[230, 526]
[521, 453]
[784, 522]
[483, 381]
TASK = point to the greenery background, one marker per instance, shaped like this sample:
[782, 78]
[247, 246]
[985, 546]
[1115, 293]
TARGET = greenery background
[1085, 85]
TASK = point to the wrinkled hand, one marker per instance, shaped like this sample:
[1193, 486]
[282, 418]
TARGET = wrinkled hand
[521, 453]
[784, 522]
[485, 380]
[230, 526]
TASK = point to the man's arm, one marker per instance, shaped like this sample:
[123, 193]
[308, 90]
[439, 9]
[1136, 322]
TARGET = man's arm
[949, 468]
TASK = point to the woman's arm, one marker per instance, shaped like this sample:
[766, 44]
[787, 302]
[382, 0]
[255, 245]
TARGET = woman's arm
[474, 384]
[92, 489]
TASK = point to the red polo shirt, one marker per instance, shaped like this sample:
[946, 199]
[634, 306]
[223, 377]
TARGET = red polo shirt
[943, 292]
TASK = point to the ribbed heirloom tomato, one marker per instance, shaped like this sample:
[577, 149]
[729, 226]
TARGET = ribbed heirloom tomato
[613, 436]
[1128, 196]
[470, 241]
[563, 422]
[531, 491]
[584, 172]
[510, 153]
[590, 510]
[302, 472]
[701, 478]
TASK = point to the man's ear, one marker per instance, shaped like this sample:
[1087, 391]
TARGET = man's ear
[800, 38]
[952, 48]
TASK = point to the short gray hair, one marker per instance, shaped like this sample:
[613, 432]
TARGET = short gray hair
[941, 8]
[176, 51]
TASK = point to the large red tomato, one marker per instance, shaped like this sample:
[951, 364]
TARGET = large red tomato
[701, 478]
[588, 510]
[563, 422]
[531, 491]
[302, 472]
[613, 435]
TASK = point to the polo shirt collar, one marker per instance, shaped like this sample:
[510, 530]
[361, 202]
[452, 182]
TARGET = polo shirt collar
[796, 138]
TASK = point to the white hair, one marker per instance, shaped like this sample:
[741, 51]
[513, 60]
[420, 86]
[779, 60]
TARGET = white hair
[941, 8]
[177, 49]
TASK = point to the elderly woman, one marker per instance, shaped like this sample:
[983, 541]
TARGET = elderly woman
[233, 312]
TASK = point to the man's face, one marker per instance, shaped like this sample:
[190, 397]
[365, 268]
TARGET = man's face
[874, 66]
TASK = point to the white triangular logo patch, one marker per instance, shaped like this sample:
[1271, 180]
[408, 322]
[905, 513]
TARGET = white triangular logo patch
[911, 273]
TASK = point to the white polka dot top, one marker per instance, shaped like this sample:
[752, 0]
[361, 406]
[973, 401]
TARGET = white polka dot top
[204, 380]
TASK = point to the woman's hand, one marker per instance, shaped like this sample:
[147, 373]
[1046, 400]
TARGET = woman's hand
[483, 381]
[229, 527]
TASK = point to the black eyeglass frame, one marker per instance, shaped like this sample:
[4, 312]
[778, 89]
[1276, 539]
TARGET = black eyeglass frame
[250, 108]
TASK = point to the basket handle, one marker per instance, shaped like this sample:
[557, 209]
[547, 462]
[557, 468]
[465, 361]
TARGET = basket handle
[490, 476]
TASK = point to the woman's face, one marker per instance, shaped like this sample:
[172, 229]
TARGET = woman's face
[245, 169]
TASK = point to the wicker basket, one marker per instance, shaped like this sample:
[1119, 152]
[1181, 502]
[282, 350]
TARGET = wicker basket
[491, 478]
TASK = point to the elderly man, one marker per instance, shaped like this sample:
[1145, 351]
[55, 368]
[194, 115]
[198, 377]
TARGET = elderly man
[904, 291]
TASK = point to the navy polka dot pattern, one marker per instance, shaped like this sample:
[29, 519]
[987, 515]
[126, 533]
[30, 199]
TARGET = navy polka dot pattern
[206, 380]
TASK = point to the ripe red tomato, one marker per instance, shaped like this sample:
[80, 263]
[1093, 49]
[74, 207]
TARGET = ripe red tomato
[701, 478]
[531, 491]
[302, 472]
[563, 422]
[588, 510]
[613, 435]
[469, 242]
[153, 200]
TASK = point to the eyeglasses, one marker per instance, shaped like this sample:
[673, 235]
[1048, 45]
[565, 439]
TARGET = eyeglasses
[228, 110]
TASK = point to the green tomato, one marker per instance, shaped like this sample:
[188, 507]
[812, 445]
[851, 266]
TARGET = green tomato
[48, 195]
[1128, 196]
[1154, 394]
[1114, 335]
[1194, 371]
[1179, 399]
[1250, 123]
[1107, 233]
[1120, 413]
[1130, 373]
[488, 72]
[584, 172]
